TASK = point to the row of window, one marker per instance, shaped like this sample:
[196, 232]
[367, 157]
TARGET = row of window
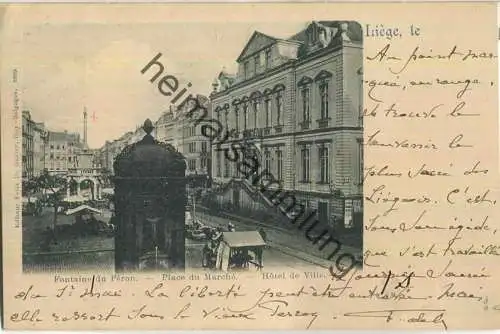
[269, 162]
[273, 106]
[253, 107]
[192, 147]
[57, 157]
[59, 147]
[273, 162]
[323, 161]
[192, 164]
[305, 93]
[260, 62]
[189, 131]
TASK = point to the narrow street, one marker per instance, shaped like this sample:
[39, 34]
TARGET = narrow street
[272, 258]
[279, 239]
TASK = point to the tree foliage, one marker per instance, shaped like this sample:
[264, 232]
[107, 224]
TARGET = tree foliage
[56, 186]
[29, 187]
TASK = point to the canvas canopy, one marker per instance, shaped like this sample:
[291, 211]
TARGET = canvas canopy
[109, 191]
[243, 239]
[75, 198]
[82, 209]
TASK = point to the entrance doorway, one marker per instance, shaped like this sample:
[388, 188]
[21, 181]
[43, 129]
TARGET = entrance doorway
[323, 212]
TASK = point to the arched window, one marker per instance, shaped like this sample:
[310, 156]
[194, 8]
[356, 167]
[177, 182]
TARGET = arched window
[267, 98]
[256, 107]
[226, 116]
[279, 107]
[244, 101]
[305, 97]
[267, 161]
[217, 113]
[323, 79]
[323, 95]
[245, 116]
[278, 98]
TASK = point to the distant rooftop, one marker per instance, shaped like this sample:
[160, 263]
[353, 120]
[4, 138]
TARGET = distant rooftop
[63, 136]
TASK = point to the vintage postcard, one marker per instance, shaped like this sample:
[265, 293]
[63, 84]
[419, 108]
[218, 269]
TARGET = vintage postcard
[250, 166]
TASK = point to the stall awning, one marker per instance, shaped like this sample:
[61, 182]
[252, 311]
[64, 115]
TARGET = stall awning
[243, 239]
[82, 209]
[75, 198]
[109, 191]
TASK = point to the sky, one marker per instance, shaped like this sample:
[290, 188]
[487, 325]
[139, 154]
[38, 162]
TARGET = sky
[66, 67]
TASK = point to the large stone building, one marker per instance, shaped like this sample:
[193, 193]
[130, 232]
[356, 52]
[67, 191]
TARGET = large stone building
[62, 151]
[34, 141]
[167, 128]
[177, 128]
[28, 126]
[298, 101]
[193, 145]
[40, 141]
[111, 149]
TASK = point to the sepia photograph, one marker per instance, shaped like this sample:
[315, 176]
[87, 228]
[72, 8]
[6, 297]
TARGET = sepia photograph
[250, 166]
[144, 149]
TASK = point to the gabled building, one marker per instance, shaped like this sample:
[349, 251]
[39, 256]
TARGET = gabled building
[28, 126]
[177, 128]
[62, 151]
[192, 144]
[40, 140]
[298, 100]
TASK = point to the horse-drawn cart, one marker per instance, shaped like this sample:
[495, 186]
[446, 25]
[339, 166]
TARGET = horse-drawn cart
[236, 251]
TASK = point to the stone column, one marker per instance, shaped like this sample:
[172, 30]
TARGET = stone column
[95, 190]
[68, 189]
[78, 188]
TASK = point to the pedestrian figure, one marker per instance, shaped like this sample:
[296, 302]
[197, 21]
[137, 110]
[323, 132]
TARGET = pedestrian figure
[206, 255]
[263, 234]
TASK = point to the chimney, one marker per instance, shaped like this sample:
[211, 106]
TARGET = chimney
[85, 126]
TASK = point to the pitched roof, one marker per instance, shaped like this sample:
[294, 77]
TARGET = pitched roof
[82, 208]
[354, 30]
[63, 136]
[256, 42]
[243, 239]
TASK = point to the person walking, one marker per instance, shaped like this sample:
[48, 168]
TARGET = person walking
[263, 234]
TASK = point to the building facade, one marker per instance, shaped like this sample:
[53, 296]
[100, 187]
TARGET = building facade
[167, 128]
[62, 151]
[299, 102]
[34, 141]
[111, 149]
[40, 141]
[28, 126]
[177, 128]
[193, 145]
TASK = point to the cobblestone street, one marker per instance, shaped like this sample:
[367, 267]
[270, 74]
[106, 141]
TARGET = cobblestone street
[273, 258]
[290, 242]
